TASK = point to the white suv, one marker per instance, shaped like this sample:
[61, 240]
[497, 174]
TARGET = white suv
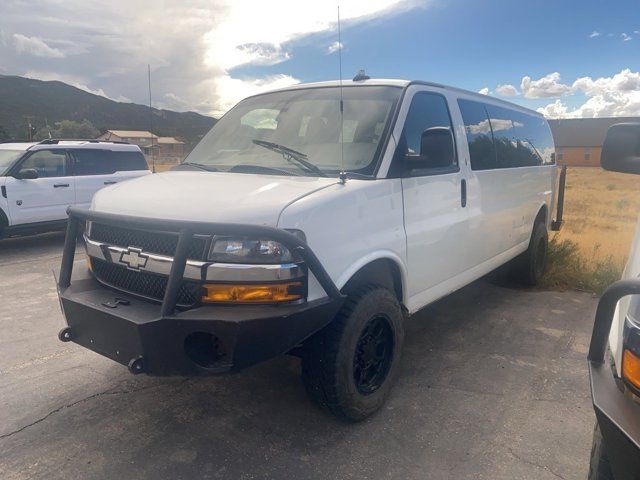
[311, 221]
[38, 181]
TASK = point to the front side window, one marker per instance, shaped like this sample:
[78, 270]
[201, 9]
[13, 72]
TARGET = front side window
[48, 163]
[279, 132]
[427, 141]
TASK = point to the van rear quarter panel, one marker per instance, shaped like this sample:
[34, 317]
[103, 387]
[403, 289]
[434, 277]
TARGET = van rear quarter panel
[350, 225]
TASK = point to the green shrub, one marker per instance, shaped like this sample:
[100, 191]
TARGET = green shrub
[568, 268]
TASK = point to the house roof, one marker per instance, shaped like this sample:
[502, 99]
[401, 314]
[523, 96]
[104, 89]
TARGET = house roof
[132, 133]
[170, 140]
[584, 132]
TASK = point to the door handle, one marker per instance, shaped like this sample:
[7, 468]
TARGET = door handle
[60, 185]
[110, 182]
[463, 193]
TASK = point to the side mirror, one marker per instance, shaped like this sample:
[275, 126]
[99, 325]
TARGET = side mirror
[621, 148]
[437, 151]
[27, 174]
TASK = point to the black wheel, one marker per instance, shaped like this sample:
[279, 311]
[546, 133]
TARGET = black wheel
[529, 267]
[599, 468]
[350, 366]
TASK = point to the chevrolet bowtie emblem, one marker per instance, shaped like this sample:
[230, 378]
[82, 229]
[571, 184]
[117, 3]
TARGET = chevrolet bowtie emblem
[133, 258]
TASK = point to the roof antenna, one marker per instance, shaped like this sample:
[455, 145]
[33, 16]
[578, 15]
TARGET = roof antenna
[153, 157]
[343, 173]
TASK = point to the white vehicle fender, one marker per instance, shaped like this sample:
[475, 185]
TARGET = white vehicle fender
[371, 257]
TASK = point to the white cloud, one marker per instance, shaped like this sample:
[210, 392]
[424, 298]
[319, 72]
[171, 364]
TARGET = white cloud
[193, 47]
[507, 90]
[248, 22]
[618, 95]
[556, 109]
[334, 47]
[35, 46]
[594, 34]
[625, 37]
[484, 91]
[544, 87]
[236, 89]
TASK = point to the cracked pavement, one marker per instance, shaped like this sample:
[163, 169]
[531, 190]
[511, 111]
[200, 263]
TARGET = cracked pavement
[494, 386]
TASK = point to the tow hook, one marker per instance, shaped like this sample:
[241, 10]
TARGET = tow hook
[64, 335]
[136, 365]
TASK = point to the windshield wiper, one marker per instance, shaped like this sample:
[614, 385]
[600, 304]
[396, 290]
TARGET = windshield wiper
[198, 165]
[291, 156]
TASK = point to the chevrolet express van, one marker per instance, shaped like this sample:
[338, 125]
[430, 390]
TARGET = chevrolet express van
[311, 220]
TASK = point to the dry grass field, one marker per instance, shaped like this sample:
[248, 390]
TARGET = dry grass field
[601, 209]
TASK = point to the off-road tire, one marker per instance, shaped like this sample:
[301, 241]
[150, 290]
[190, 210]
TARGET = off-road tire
[599, 467]
[329, 358]
[528, 268]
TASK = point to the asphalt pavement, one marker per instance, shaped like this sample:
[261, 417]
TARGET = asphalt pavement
[494, 385]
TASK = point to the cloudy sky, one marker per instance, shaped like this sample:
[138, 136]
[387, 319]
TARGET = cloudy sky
[565, 58]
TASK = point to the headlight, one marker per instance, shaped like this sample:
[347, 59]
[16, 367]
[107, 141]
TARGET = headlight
[248, 250]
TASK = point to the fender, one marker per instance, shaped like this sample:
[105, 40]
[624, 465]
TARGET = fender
[367, 259]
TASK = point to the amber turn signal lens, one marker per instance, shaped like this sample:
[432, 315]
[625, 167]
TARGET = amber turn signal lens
[631, 368]
[89, 266]
[262, 293]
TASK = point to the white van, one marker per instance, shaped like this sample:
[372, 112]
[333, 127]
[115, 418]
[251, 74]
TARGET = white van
[38, 181]
[312, 220]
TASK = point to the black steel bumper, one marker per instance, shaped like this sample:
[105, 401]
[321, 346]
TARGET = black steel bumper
[618, 415]
[159, 339]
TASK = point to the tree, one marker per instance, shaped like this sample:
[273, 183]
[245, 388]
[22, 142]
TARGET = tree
[69, 129]
[4, 135]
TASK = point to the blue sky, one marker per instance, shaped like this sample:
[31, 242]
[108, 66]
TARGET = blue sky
[565, 58]
[479, 44]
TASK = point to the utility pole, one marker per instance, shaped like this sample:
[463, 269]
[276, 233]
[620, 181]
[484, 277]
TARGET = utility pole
[28, 119]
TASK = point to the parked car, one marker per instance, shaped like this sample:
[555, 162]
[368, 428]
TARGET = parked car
[312, 220]
[615, 372]
[38, 181]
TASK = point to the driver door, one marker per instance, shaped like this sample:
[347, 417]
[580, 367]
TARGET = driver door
[436, 217]
[42, 199]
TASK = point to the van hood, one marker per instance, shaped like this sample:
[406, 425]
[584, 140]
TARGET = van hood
[208, 196]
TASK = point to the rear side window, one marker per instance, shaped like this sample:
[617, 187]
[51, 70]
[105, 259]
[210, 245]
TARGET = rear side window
[48, 163]
[127, 161]
[534, 136]
[105, 162]
[504, 136]
[479, 136]
[92, 162]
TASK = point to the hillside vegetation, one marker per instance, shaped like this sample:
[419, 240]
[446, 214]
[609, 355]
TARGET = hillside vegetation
[56, 101]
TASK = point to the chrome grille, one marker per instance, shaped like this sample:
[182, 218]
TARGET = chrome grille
[162, 243]
[142, 283]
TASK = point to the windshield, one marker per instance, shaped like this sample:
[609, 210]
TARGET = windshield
[7, 158]
[297, 132]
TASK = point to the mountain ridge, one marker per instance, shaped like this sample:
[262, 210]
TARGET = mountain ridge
[52, 101]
